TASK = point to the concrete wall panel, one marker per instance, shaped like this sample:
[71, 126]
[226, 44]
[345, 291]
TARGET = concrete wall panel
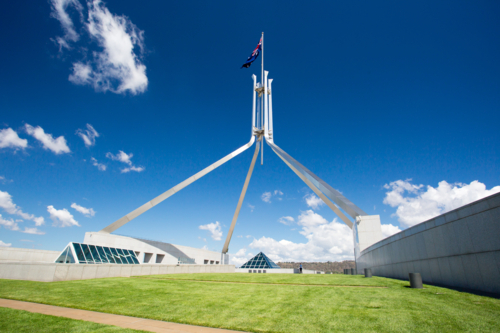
[459, 249]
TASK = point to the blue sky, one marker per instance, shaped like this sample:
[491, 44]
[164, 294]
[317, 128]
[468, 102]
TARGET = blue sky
[367, 96]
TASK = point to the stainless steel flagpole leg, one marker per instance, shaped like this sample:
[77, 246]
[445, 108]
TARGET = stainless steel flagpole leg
[242, 197]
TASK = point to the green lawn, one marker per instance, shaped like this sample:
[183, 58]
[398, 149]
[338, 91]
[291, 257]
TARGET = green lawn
[18, 321]
[272, 302]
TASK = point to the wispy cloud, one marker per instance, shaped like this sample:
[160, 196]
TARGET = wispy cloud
[57, 146]
[286, 220]
[132, 168]
[251, 208]
[100, 166]
[10, 139]
[88, 136]
[214, 229]
[10, 224]
[116, 65]
[5, 244]
[266, 196]
[88, 212]
[125, 158]
[62, 218]
[11, 208]
[60, 12]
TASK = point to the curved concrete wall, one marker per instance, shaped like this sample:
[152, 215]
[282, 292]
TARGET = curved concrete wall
[458, 249]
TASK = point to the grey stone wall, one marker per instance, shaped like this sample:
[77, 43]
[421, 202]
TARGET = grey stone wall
[458, 249]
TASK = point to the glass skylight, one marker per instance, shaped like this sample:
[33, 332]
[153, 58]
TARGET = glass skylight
[260, 261]
[94, 254]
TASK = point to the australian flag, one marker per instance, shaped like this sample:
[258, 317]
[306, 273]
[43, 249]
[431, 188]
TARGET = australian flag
[254, 55]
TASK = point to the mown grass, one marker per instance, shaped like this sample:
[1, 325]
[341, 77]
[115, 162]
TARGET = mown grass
[18, 321]
[306, 279]
[262, 305]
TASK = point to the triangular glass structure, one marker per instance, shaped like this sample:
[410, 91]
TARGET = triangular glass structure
[260, 261]
[66, 257]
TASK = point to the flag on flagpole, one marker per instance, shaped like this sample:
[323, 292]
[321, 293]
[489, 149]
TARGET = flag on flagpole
[254, 55]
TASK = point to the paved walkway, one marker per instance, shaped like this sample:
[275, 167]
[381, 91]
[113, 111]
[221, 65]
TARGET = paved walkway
[110, 319]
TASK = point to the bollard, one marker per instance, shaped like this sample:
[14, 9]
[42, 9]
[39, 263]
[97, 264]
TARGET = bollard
[352, 271]
[368, 273]
[415, 280]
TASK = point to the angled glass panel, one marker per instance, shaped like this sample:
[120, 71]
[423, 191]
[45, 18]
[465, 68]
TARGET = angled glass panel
[62, 258]
[116, 256]
[87, 254]
[79, 253]
[122, 256]
[95, 255]
[70, 259]
[127, 256]
[109, 255]
[104, 259]
[133, 256]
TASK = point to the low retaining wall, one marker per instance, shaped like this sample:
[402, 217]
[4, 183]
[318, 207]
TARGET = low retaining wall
[49, 272]
[458, 249]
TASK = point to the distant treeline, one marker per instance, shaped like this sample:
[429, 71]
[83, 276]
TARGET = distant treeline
[329, 266]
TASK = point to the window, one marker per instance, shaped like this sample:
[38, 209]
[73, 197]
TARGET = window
[211, 262]
[95, 254]
[147, 257]
[216, 262]
[205, 262]
[159, 258]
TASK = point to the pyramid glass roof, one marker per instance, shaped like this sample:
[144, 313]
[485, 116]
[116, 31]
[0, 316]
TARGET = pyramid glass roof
[260, 261]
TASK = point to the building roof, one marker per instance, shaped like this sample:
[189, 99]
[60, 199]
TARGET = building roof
[260, 261]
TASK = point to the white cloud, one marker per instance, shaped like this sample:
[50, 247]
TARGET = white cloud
[204, 247]
[125, 158]
[27, 240]
[10, 139]
[248, 236]
[10, 207]
[88, 212]
[62, 218]
[59, 12]
[116, 66]
[57, 146]
[5, 244]
[389, 230]
[33, 231]
[9, 224]
[313, 201]
[100, 166]
[266, 197]
[132, 168]
[286, 220]
[121, 156]
[88, 136]
[426, 203]
[214, 229]
[325, 241]
[251, 208]
[240, 257]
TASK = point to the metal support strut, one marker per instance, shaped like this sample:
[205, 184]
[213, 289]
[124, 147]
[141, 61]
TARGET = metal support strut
[242, 197]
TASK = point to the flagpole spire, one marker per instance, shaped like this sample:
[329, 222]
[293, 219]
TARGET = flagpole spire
[262, 113]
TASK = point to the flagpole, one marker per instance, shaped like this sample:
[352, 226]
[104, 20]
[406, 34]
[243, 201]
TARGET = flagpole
[262, 108]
